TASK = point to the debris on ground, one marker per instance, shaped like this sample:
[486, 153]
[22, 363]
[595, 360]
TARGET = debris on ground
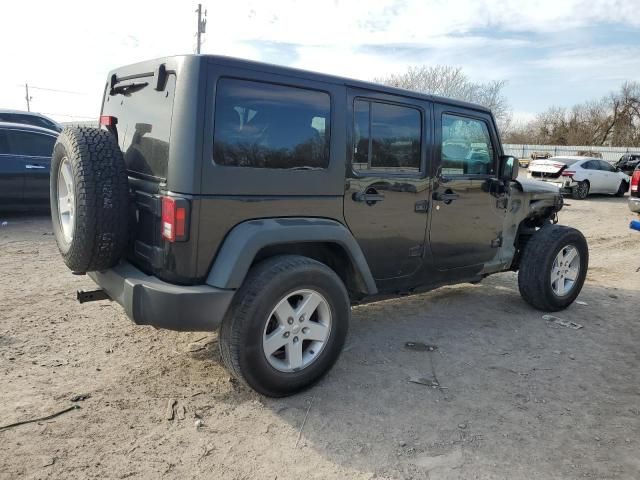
[420, 347]
[562, 322]
[181, 412]
[40, 419]
[171, 409]
[304, 421]
[427, 382]
[198, 423]
[195, 347]
[81, 397]
[580, 302]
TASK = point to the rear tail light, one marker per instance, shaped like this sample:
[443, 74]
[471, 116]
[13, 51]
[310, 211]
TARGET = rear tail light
[108, 120]
[568, 173]
[175, 216]
[635, 181]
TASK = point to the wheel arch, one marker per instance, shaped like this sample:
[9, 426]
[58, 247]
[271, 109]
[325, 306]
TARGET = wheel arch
[324, 240]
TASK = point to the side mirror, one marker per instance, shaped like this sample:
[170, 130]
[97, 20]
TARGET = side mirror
[509, 168]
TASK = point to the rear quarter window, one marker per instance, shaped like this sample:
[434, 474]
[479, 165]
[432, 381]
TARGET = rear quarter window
[264, 125]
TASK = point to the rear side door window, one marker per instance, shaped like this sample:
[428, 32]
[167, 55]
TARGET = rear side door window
[31, 144]
[4, 143]
[466, 147]
[605, 166]
[387, 138]
[265, 125]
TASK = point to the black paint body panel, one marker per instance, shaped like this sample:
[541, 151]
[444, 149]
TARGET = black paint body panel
[407, 244]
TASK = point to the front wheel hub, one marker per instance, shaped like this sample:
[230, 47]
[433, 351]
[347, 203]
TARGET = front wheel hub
[565, 271]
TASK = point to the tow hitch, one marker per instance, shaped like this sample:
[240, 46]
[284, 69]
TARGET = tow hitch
[85, 296]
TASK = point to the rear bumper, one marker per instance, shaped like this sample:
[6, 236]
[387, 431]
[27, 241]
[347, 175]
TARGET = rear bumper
[634, 204]
[565, 184]
[150, 301]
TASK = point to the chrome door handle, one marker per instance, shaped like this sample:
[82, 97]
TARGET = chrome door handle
[34, 167]
[370, 196]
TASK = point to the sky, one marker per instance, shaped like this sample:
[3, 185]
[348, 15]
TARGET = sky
[550, 52]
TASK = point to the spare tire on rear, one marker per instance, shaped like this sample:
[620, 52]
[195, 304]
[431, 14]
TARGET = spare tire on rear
[89, 199]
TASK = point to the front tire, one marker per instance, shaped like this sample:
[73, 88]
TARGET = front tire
[580, 191]
[286, 325]
[553, 267]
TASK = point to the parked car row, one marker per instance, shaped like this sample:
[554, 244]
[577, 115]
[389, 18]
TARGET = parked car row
[580, 176]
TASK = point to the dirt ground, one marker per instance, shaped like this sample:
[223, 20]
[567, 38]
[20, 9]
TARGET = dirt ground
[519, 397]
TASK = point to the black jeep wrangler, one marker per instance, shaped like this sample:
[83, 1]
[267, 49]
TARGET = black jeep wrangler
[264, 201]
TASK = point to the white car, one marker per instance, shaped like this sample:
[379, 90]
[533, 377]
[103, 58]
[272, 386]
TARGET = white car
[581, 176]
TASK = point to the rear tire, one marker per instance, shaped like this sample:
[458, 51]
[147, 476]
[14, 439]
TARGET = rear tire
[622, 189]
[580, 191]
[89, 195]
[550, 279]
[255, 318]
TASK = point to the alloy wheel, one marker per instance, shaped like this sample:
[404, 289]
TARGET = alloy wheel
[297, 330]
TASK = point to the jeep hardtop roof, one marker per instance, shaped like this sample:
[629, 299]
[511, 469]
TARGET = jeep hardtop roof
[151, 65]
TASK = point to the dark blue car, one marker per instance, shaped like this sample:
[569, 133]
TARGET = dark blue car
[25, 157]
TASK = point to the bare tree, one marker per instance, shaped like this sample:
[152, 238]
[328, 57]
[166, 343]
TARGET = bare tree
[613, 120]
[452, 82]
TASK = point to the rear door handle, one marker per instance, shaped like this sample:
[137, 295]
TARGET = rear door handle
[34, 167]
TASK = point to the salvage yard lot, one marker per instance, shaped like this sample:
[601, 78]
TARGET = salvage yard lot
[518, 396]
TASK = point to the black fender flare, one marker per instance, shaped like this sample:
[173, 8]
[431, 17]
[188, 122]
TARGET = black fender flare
[246, 239]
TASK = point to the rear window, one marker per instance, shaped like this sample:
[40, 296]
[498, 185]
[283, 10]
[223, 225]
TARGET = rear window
[264, 125]
[566, 161]
[144, 125]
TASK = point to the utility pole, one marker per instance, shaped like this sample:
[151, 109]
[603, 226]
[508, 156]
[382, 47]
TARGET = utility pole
[27, 97]
[202, 26]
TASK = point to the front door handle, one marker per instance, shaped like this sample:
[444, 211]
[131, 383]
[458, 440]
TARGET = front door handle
[34, 167]
[447, 197]
[371, 196]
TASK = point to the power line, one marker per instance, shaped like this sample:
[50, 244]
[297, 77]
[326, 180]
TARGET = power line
[57, 90]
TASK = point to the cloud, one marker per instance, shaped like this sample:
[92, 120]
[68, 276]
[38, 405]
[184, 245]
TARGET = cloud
[520, 41]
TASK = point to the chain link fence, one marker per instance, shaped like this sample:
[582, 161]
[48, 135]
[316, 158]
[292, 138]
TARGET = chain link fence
[610, 154]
